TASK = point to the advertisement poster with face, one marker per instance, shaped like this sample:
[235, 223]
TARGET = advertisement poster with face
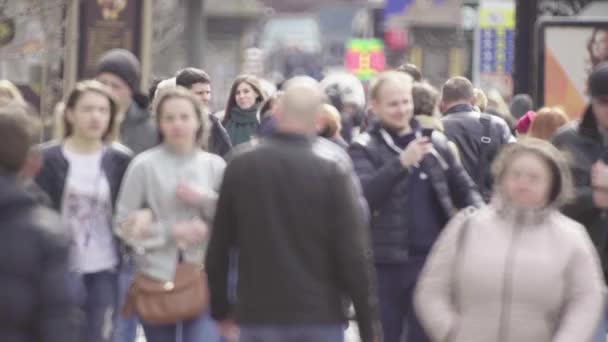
[568, 52]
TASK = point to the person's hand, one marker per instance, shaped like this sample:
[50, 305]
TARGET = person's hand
[600, 198]
[191, 232]
[137, 224]
[415, 152]
[228, 330]
[599, 175]
[190, 195]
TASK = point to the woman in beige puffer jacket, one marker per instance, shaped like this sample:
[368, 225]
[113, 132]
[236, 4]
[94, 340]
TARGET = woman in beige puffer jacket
[517, 270]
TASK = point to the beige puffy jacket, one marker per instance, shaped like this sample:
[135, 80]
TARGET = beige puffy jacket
[500, 275]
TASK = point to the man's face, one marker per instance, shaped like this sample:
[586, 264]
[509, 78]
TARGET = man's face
[600, 109]
[202, 91]
[119, 88]
[394, 106]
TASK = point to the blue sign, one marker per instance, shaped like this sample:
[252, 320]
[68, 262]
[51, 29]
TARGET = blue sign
[396, 7]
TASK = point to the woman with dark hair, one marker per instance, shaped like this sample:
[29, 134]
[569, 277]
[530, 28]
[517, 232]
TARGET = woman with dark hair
[518, 269]
[241, 115]
[82, 174]
[164, 212]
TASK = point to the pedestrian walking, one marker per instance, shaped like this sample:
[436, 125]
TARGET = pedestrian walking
[546, 122]
[241, 115]
[199, 82]
[413, 185]
[119, 69]
[329, 125]
[289, 205]
[164, 212]
[585, 142]
[82, 174]
[516, 270]
[478, 136]
[37, 304]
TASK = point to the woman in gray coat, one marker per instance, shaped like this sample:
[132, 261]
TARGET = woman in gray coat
[516, 270]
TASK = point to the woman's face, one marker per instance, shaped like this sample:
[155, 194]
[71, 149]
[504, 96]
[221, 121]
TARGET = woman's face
[245, 96]
[90, 116]
[527, 181]
[179, 123]
[600, 45]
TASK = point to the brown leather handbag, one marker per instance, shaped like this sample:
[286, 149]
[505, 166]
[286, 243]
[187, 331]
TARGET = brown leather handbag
[158, 302]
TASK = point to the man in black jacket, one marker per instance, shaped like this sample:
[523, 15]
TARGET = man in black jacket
[413, 185]
[478, 136]
[199, 82]
[37, 304]
[586, 142]
[291, 209]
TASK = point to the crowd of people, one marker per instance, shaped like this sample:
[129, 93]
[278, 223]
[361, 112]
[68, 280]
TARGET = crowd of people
[438, 215]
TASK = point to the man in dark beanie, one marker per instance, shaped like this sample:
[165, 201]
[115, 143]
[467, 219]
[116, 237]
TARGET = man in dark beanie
[119, 69]
[37, 303]
[586, 141]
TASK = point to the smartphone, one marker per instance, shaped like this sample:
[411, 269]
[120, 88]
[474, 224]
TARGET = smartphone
[427, 132]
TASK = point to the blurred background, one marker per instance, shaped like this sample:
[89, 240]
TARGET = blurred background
[46, 45]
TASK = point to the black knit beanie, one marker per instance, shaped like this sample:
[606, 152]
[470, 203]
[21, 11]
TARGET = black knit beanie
[123, 64]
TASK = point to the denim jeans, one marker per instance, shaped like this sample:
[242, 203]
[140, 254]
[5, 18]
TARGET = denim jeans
[396, 283]
[292, 333]
[97, 296]
[602, 331]
[200, 329]
[126, 328]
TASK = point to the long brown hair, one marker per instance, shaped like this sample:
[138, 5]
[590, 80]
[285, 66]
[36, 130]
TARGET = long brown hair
[202, 133]
[253, 82]
[91, 86]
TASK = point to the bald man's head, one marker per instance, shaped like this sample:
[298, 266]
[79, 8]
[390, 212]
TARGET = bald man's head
[300, 104]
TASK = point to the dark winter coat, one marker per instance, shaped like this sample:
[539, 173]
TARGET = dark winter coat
[219, 140]
[138, 130]
[583, 143]
[54, 172]
[289, 205]
[409, 206]
[463, 125]
[36, 304]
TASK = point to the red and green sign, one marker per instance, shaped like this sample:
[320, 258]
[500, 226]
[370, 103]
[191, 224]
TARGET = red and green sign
[365, 57]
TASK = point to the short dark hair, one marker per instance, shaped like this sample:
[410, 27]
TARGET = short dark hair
[190, 76]
[16, 130]
[411, 70]
[425, 98]
[457, 89]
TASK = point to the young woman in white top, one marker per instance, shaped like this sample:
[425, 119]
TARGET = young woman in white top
[82, 174]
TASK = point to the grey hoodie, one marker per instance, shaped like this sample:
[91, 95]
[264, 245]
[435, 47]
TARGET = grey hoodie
[138, 131]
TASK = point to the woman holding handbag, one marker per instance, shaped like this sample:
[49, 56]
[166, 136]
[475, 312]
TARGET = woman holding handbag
[164, 210]
[516, 270]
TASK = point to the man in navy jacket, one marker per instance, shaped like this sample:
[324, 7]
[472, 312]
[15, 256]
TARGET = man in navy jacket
[413, 185]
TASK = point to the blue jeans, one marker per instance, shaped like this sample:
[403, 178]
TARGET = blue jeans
[200, 329]
[292, 333]
[97, 296]
[126, 328]
[396, 283]
[600, 335]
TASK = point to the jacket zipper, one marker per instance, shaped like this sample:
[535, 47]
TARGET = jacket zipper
[507, 289]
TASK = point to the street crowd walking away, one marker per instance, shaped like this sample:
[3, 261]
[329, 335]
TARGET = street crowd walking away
[416, 214]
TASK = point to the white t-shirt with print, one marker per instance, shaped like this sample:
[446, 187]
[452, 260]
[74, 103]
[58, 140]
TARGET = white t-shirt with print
[87, 212]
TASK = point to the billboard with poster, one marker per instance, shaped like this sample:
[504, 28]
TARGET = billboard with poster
[567, 51]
